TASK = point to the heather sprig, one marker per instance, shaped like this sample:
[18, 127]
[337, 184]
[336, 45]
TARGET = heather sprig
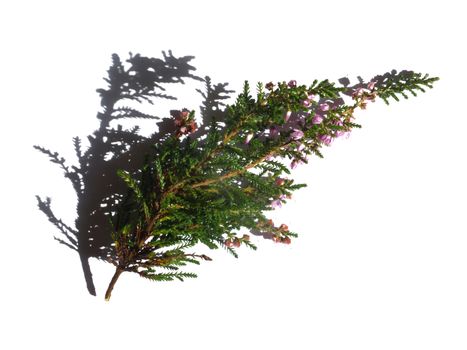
[215, 186]
[202, 180]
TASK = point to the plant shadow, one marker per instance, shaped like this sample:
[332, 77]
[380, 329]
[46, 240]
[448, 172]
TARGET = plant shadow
[95, 179]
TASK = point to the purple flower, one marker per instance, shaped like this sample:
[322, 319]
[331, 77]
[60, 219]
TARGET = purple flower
[326, 139]
[324, 107]
[357, 92]
[339, 133]
[276, 203]
[273, 131]
[338, 122]
[317, 119]
[248, 138]
[292, 83]
[296, 134]
[295, 163]
[287, 116]
[306, 103]
[311, 97]
[371, 85]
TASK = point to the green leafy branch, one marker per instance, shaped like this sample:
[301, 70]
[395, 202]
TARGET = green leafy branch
[203, 192]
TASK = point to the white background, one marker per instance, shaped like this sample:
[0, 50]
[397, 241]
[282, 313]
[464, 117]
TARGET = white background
[381, 259]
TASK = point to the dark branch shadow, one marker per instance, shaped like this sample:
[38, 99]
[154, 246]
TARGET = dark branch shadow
[111, 149]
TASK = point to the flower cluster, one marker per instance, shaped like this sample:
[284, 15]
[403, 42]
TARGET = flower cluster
[363, 94]
[279, 234]
[277, 202]
[236, 241]
[310, 121]
[184, 122]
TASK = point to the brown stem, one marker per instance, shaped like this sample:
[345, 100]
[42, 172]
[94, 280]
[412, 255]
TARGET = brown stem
[114, 279]
[239, 171]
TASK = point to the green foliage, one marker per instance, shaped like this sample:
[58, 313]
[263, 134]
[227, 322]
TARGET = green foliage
[325, 88]
[169, 276]
[205, 191]
[394, 84]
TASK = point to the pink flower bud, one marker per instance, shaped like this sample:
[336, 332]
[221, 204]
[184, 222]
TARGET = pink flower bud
[326, 139]
[228, 243]
[273, 131]
[300, 147]
[280, 181]
[357, 92]
[287, 116]
[306, 103]
[292, 83]
[371, 85]
[296, 162]
[276, 203]
[324, 107]
[311, 97]
[317, 119]
[296, 134]
[338, 123]
[248, 138]
[286, 240]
